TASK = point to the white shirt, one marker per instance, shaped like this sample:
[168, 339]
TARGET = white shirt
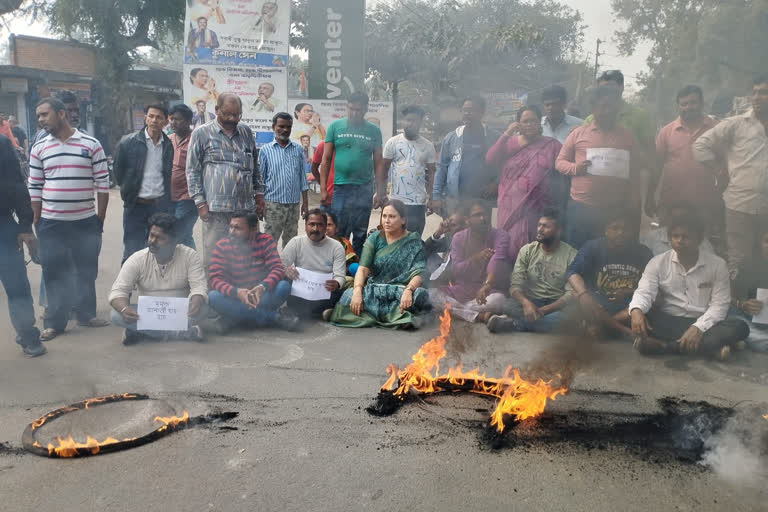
[408, 172]
[561, 131]
[152, 182]
[704, 291]
[657, 240]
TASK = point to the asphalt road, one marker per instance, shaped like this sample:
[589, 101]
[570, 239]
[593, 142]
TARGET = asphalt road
[303, 441]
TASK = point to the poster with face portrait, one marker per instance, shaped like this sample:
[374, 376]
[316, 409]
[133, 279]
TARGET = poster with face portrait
[263, 92]
[312, 117]
[237, 32]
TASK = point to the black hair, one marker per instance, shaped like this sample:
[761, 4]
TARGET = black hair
[67, 97]
[476, 202]
[477, 102]
[316, 211]
[333, 217]
[358, 98]
[689, 221]
[193, 73]
[554, 92]
[399, 207]
[56, 104]
[164, 221]
[551, 213]
[298, 108]
[688, 90]
[250, 217]
[680, 205]
[157, 106]
[285, 116]
[760, 79]
[528, 108]
[413, 109]
[619, 214]
[613, 75]
[182, 109]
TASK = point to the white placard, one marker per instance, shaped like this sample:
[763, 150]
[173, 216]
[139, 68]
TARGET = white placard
[311, 285]
[762, 317]
[608, 162]
[163, 313]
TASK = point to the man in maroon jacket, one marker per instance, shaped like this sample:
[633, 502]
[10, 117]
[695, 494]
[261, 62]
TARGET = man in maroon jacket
[245, 278]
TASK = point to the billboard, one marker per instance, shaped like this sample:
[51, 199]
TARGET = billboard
[336, 48]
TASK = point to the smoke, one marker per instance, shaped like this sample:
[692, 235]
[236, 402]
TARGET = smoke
[738, 453]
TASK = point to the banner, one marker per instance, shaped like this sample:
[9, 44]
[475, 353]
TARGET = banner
[336, 48]
[312, 117]
[237, 32]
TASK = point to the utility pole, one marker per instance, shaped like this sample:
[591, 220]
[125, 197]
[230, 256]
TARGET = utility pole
[597, 58]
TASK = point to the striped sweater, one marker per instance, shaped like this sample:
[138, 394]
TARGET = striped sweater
[235, 265]
[62, 175]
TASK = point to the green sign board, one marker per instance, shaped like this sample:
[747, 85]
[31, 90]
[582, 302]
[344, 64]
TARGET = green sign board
[336, 48]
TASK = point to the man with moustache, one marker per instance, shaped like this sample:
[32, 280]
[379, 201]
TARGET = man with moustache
[165, 268]
[142, 168]
[538, 284]
[281, 164]
[319, 253]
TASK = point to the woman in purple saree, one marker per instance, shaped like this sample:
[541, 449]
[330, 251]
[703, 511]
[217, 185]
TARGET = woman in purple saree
[526, 159]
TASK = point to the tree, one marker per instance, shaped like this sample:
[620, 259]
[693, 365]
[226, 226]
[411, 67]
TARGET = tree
[718, 45]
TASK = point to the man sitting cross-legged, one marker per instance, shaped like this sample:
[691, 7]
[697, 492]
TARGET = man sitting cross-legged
[683, 298]
[163, 269]
[604, 275]
[319, 253]
[478, 264]
[538, 285]
[246, 278]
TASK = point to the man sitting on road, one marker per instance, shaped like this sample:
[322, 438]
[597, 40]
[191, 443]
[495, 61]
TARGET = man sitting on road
[246, 278]
[479, 264]
[437, 248]
[538, 284]
[605, 273]
[657, 238]
[163, 269]
[683, 298]
[319, 253]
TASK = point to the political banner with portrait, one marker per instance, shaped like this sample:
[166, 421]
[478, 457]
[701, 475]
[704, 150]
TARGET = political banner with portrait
[263, 91]
[312, 117]
[237, 32]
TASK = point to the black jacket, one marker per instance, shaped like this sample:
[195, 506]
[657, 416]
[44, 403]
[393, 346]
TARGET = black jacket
[128, 165]
[14, 196]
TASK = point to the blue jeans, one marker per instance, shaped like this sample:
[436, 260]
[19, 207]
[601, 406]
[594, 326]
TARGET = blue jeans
[78, 241]
[237, 312]
[13, 274]
[135, 229]
[186, 213]
[547, 323]
[352, 206]
[119, 321]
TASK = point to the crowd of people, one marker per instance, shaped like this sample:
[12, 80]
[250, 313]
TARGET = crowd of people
[567, 252]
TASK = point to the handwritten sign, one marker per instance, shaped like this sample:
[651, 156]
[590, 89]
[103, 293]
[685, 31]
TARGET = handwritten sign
[762, 316]
[608, 162]
[163, 314]
[311, 285]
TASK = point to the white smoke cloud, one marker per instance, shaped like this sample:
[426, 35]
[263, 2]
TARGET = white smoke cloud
[737, 453]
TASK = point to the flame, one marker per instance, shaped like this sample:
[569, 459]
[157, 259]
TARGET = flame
[518, 397]
[172, 421]
[68, 447]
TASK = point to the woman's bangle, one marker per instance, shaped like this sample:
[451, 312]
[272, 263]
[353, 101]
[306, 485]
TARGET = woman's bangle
[122, 310]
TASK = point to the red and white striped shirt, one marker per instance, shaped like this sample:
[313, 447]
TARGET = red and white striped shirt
[63, 175]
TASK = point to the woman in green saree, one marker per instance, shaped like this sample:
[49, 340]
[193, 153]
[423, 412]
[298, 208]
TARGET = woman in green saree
[387, 290]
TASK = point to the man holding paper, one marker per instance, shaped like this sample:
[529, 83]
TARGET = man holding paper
[604, 161]
[316, 264]
[165, 271]
[750, 301]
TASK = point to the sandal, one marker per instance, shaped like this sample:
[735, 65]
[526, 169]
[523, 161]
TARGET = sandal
[49, 334]
[93, 322]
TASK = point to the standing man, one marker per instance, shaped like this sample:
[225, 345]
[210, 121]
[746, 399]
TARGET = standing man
[14, 234]
[182, 206]
[222, 172]
[72, 105]
[353, 147]
[613, 182]
[462, 173]
[281, 164]
[317, 161]
[142, 168]
[201, 116]
[558, 125]
[683, 179]
[741, 141]
[410, 160]
[19, 133]
[65, 167]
